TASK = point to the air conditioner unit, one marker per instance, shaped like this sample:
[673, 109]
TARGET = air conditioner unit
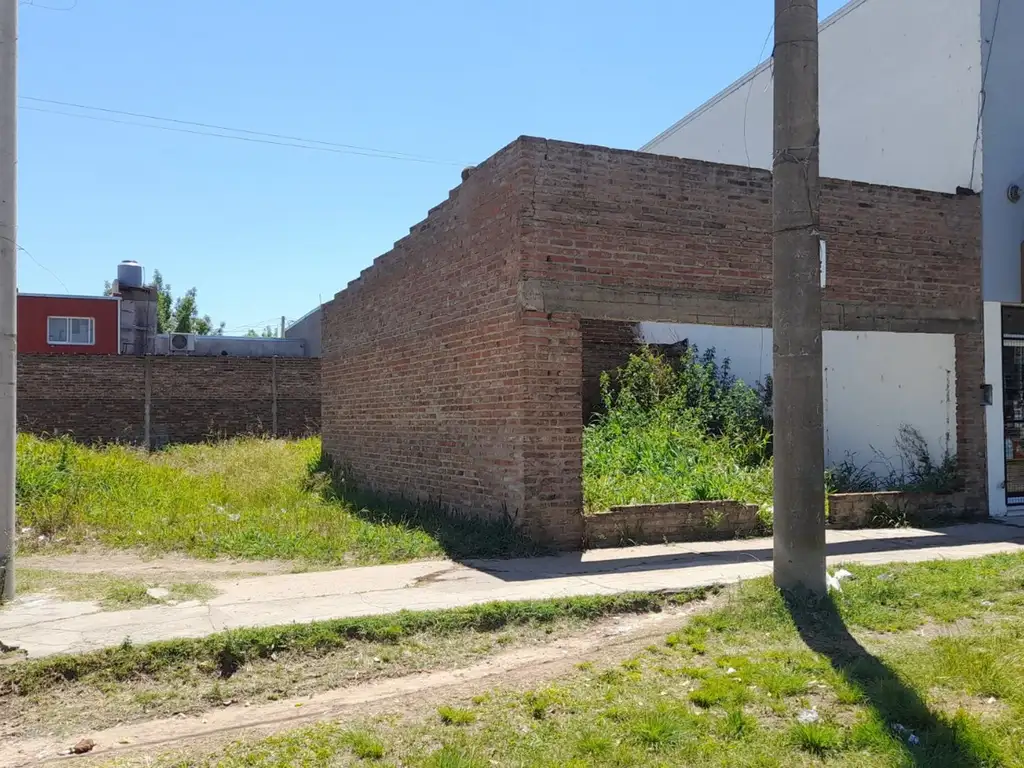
[180, 343]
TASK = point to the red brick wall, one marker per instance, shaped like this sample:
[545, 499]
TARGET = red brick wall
[607, 345]
[422, 368]
[33, 312]
[618, 218]
[444, 377]
[103, 398]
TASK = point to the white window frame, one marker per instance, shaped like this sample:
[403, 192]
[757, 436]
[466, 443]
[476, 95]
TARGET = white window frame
[69, 343]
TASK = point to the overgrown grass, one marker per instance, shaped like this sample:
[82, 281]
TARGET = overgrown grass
[246, 498]
[687, 430]
[677, 431]
[739, 686]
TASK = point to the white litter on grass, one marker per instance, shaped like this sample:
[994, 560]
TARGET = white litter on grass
[834, 581]
[158, 593]
[807, 716]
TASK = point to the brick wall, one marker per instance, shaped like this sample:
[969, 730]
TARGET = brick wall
[457, 366]
[103, 398]
[617, 218]
[424, 388]
[680, 521]
[607, 345]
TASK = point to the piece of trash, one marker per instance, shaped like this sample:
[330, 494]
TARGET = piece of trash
[833, 583]
[376, 659]
[234, 518]
[991, 700]
[158, 593]
[842, 573]
[987, 603]
[730, 671]
[912, 739]
[85, 745]
[808, 716]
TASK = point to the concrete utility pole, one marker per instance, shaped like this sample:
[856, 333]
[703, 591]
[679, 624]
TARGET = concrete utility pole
[8, 287]
[282, 326]
[799, 440]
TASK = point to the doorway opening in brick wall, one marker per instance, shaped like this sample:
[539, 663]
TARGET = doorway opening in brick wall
[677, 439]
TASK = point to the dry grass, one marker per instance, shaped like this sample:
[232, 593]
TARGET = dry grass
[737, 686]
[111, 592]
[91, 691]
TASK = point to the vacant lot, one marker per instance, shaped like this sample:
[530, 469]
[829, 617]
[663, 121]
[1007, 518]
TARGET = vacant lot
[918, 665]
[247, 498]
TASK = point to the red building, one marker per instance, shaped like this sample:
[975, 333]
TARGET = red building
[68, 325]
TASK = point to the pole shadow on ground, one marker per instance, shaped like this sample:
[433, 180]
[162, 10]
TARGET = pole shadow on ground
[939, 742]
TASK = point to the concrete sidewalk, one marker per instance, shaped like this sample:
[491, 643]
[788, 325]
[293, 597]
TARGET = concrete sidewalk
[44, 626]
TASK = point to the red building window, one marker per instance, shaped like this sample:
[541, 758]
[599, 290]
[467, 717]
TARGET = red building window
[71, 330]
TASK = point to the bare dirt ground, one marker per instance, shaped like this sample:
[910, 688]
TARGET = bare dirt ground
[607, 642]
[163, 568]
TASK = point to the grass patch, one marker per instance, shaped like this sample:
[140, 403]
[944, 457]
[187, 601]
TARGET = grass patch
[456, 715]
[247, 498]
[942, 687]
[111, 592]
[131, 682]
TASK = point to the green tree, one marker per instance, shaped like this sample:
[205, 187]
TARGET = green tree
[268, 332]
[179, 315]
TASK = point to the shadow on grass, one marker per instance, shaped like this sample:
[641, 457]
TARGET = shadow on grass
[460, 536]
[928, 738]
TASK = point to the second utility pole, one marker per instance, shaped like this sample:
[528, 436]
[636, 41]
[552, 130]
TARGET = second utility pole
[799, 445]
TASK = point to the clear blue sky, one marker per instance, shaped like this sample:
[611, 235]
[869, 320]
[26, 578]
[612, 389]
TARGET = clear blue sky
[263, 231]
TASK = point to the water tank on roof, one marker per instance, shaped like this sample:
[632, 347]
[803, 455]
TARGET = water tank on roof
[129, 274]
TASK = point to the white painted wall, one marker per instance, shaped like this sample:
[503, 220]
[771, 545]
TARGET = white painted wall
[874, 382]
[900, 83]
[1003, 141]
[994, 413]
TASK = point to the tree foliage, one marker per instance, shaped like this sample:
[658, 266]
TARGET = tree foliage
[268, 332]
[179, 315]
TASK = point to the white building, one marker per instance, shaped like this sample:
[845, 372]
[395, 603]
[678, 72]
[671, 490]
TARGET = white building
[925, 94]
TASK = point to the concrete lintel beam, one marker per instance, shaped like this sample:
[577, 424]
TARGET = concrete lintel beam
[600, 302]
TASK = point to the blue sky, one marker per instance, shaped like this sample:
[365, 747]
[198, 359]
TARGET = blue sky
[263, 231]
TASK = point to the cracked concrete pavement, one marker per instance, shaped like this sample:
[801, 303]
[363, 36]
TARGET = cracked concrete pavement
[44, 626]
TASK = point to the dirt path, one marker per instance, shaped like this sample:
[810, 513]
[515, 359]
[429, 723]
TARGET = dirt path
[164, 568]
[137, 744]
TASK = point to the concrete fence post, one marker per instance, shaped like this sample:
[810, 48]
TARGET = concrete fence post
[273, 395]
[147, 366]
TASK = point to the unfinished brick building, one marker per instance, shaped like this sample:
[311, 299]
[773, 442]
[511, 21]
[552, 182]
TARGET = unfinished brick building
[454, 366]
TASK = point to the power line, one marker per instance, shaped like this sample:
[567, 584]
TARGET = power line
[983, 94]
[311, 144]
[214, 126]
